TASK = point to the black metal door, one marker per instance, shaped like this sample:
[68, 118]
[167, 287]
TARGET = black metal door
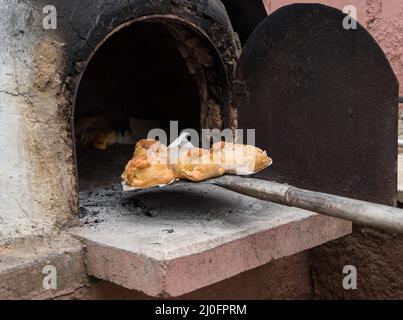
[323, 101]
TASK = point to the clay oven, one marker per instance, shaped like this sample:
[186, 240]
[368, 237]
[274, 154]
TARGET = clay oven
[297, 77]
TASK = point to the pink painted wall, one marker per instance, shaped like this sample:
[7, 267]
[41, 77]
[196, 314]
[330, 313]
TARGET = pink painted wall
[382, 18]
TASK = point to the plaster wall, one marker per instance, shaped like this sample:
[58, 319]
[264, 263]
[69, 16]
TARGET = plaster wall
[36, 191]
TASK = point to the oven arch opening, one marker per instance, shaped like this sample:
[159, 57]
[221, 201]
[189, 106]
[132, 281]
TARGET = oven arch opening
[145, 74]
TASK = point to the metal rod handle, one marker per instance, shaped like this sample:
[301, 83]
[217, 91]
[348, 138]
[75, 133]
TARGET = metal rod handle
[359, 212]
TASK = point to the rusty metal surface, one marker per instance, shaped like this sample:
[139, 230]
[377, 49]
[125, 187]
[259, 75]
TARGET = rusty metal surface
[323, 101]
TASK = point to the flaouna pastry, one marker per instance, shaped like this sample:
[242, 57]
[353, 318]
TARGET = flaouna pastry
[196, 165]
[93, 131]
[146, 145]
[100, 139]
[149, 167]
[240, 159]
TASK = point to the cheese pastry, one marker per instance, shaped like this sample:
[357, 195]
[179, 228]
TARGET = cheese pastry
[196, 165]
[240, 159]
[142, 172]
[146, 145]
[99, 139]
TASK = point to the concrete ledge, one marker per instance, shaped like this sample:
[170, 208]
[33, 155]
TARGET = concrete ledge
[196, 237]
[22, 263]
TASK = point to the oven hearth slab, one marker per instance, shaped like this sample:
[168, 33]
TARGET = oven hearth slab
[173, 241]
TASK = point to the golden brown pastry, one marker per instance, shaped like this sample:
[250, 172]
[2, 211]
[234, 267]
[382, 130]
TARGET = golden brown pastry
[99, 139]
[93, 131]
[196, 165]
[240, 159]
[149, 166]
[140, 172]
[146, 145]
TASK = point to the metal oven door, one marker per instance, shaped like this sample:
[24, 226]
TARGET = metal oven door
[323, 101]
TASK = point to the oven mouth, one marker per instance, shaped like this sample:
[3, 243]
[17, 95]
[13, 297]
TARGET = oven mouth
[142, 76]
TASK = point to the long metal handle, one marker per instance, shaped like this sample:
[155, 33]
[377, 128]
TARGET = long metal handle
[360, 212]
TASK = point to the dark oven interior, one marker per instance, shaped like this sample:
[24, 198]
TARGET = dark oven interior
[142, 77]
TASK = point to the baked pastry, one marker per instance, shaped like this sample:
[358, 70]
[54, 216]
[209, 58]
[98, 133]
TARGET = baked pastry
[239, 159]
[93, 131]
[145, 145]
[141, 172]
[196, 165]
[99, 139]
[149, 166]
